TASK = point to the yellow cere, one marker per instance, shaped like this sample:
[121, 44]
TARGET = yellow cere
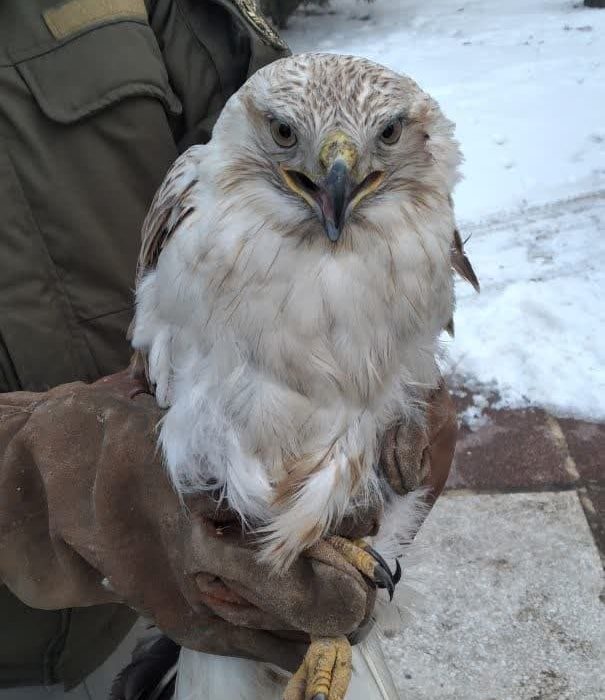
[338, 146]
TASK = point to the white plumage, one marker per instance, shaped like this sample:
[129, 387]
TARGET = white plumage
[283, 355]
[294, 278]
[205, 677]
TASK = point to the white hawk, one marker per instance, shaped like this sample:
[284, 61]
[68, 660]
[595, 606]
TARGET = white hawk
[295, 275]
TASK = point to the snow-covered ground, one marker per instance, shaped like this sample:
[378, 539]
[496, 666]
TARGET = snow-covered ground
[524, 80]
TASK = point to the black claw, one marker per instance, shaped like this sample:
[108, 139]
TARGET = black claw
[377, 556]
[320, 696]
[397, 574]
[384, 579]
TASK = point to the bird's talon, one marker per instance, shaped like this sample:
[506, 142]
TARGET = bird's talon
[384, 579]
[379, 558]
[397, 574]
[394, 577]
[368, 562]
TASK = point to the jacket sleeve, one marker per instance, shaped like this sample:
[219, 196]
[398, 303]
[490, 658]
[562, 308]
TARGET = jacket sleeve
[36, 563]
[210, 48]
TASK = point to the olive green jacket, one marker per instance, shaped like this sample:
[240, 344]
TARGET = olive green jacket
[97, 98]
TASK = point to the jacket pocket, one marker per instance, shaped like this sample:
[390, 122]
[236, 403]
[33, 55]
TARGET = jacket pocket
[100, 66]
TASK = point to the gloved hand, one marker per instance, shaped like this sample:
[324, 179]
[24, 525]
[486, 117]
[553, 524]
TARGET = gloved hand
[413, 458]
[87, 516]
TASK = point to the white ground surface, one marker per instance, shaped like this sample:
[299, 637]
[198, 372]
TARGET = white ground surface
[524, 80]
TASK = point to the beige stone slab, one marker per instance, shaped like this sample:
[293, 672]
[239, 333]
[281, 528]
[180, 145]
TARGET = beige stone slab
[513, 605]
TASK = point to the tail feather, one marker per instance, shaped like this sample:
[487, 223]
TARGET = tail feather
[207, 677]
[151, 675]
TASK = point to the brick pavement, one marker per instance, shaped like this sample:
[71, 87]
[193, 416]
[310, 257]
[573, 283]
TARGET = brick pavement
[531, 450]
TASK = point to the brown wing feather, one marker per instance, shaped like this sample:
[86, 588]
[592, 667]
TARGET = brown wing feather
[461, 263]
[170, 206]
[169, 209]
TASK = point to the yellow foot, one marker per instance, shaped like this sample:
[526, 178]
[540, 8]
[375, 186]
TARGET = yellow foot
[325, 672]
[367, 560]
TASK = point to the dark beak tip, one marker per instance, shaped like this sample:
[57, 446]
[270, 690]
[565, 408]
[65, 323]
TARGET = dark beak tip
[332, 231]
[336, 191]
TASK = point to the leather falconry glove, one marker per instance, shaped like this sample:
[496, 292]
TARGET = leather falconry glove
[88, 516]
[413, 458]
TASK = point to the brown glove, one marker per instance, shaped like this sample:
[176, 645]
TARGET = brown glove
[88, 516]
[413, 458]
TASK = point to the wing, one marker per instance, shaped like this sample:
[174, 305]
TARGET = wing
[459, 259]
[170, 208]
[461, 263]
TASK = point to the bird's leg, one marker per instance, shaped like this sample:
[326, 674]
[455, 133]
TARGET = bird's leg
[368, 562]
[325, 672]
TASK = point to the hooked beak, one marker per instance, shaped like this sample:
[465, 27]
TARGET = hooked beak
[334, 197]
[338, 193]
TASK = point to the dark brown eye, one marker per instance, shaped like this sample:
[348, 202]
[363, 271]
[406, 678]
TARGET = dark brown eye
[391, 132]
[282, 133]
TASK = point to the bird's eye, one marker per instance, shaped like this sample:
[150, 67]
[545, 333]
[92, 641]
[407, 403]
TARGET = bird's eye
[391, 132]
[282, 133]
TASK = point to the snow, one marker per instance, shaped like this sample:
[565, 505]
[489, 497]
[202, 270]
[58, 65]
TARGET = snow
[536, 331]
[524, 81]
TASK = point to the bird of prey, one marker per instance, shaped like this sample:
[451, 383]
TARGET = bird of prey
[294, 278]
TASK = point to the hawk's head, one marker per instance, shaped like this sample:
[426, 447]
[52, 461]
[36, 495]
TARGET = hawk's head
[322, 139]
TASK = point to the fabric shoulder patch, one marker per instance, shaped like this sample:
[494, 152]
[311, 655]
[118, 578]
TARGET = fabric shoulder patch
[74, 16]
[255, 18]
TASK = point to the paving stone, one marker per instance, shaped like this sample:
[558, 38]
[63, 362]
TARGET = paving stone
[586, 442]
[511, 450]
[512, 608]
[592, 496]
